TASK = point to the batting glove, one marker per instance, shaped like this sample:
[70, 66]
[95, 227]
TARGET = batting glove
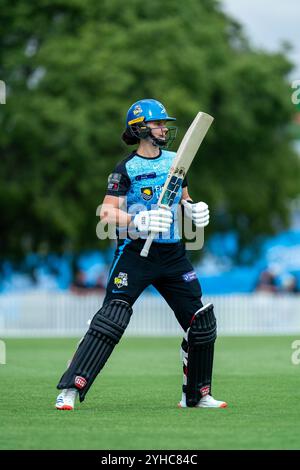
[198, 212]
[156, 220]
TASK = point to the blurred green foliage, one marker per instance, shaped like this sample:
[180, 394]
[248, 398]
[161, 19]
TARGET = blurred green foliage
[72, 69]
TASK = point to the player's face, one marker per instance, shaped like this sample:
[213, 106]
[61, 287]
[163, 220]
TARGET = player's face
[158, 129]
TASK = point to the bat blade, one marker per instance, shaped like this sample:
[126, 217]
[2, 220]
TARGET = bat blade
[184, 157]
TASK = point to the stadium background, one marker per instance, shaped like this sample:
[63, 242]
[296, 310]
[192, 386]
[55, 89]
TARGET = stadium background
[71, 71]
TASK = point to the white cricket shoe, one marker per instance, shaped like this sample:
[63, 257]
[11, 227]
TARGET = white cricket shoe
[66, 399]
[205, 402]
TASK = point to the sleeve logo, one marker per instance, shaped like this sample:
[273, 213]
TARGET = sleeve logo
[114, 178]
[113, 181]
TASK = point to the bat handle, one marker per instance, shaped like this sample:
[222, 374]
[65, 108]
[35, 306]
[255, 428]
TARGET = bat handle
[147, 245]
[151, 236]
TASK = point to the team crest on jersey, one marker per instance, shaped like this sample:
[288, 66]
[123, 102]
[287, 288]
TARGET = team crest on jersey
[147, 193]
[121, 280]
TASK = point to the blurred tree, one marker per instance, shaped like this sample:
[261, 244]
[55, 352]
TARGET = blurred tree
[73, 68]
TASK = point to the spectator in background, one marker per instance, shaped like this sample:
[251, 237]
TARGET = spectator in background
[79, 285]
[289, 284]
[82, 286]
[267, 282]
[101, 281]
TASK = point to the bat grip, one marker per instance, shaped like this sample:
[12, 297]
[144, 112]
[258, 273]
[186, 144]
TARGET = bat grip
[147, 245]
[151, 236]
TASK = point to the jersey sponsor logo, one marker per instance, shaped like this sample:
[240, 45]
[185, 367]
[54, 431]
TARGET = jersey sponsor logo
[121, 280]
[158, 188]
[147, 193]
[145, 176]
[80, 382]
[190, 276]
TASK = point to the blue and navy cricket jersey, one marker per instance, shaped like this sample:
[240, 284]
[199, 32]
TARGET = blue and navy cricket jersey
[141, 180]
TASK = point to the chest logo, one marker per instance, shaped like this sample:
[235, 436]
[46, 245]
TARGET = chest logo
[147, 193]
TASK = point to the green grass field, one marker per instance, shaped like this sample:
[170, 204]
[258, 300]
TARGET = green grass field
[133, 404]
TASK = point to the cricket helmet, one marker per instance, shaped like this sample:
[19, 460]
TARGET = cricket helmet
[147, 110]
[144, 111]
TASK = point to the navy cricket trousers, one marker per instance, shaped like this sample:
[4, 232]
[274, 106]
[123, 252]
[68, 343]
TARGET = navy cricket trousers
[167, 268]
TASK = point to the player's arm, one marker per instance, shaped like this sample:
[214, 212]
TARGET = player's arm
[157, 220]
[185, 195]
[112, 212]
[113, 209]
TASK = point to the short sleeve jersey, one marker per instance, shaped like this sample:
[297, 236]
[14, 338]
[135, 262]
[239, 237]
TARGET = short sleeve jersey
[141, 180]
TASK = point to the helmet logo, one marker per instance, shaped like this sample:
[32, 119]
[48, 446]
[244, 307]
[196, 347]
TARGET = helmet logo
[163, 109]
[137, 110]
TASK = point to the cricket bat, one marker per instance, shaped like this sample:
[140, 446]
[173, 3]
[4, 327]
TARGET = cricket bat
[184, 157]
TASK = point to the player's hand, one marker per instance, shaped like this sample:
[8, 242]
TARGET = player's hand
[198, 212]
[156, 220]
